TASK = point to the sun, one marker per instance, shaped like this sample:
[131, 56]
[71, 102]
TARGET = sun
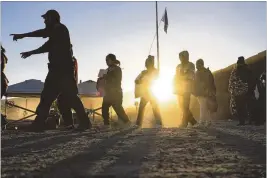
[162, 87]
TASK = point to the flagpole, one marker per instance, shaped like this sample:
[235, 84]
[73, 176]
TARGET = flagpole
[157, 34]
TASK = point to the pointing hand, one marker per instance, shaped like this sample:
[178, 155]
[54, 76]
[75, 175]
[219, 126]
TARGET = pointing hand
[17, 36]
[26, 54]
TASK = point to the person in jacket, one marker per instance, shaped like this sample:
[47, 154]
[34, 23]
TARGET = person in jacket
[60, 78]
[261, 102]
[184, 83]
[146, 78]
[4, 83]
[113, 95]
[241, 87]
[205, 91]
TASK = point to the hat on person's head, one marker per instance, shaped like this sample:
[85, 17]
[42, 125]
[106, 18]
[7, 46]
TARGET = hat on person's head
[184, 54]
[200, 61]
[113, 58]
[241, 60]
[52, 13]
[150, 60]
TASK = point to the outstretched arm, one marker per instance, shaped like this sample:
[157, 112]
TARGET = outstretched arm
[43, 49]
[38, 33]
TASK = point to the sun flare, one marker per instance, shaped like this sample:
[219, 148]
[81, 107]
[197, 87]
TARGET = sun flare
[162, 87]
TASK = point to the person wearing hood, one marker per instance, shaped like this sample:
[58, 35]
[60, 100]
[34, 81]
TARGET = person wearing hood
[205, 91]
[146, 78]
[183, 87]
[113, 95]
[241, 88]
[260, 107]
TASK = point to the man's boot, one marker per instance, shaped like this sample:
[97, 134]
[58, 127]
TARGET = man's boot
[84, 125]
[37, 125]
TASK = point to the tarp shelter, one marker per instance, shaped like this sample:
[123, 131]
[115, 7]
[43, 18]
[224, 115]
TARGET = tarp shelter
[28, 88]
[33, 88]
[88, 89]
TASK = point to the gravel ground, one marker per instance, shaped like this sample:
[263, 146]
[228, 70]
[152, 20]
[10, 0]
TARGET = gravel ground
[222, 150]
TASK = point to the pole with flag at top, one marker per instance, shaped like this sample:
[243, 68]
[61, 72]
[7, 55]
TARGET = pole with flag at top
[166, 24]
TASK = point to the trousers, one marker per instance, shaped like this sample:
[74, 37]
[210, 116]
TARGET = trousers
[65, 109]
[113, 100]
[60, 82]
[155, 108]
[205, 114]
[187, 116]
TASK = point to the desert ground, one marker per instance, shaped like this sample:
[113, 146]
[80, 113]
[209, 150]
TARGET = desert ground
[221, 150]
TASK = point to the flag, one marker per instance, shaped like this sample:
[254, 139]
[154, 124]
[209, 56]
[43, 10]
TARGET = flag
[165, 20]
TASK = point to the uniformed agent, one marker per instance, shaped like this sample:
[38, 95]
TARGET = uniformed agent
[60, 78]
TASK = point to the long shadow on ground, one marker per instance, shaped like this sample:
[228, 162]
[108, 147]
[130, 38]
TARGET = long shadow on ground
[130, 162]
[253, 150]
[74, 166]
[41, 143]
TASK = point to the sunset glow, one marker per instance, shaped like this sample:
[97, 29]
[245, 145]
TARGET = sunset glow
[162, 87]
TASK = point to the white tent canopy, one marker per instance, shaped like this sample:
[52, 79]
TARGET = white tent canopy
[33, 88]
[88, 89]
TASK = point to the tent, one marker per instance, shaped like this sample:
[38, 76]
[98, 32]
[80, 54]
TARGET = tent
[33, 88]
[28, 88]
[88, 89]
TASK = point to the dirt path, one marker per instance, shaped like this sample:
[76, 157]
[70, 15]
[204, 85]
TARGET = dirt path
[222, 150]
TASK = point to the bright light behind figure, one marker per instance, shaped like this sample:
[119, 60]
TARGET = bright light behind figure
[162, 87]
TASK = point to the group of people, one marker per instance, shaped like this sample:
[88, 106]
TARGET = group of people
[61, 80]
[61, 83]
[199, 83]
[243, 102]
[187, 82]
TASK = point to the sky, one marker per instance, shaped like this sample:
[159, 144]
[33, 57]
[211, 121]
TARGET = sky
[217, 32]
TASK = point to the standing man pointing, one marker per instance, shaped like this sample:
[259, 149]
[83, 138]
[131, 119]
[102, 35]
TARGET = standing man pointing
[60, 78]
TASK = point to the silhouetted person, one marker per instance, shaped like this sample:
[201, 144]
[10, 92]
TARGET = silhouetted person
[4, 82]
[146, 79]
[63, 105]
[241, 88]
[60, 78]
[184, 81]
[261, 103]
[113, 95]
[205, 91]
